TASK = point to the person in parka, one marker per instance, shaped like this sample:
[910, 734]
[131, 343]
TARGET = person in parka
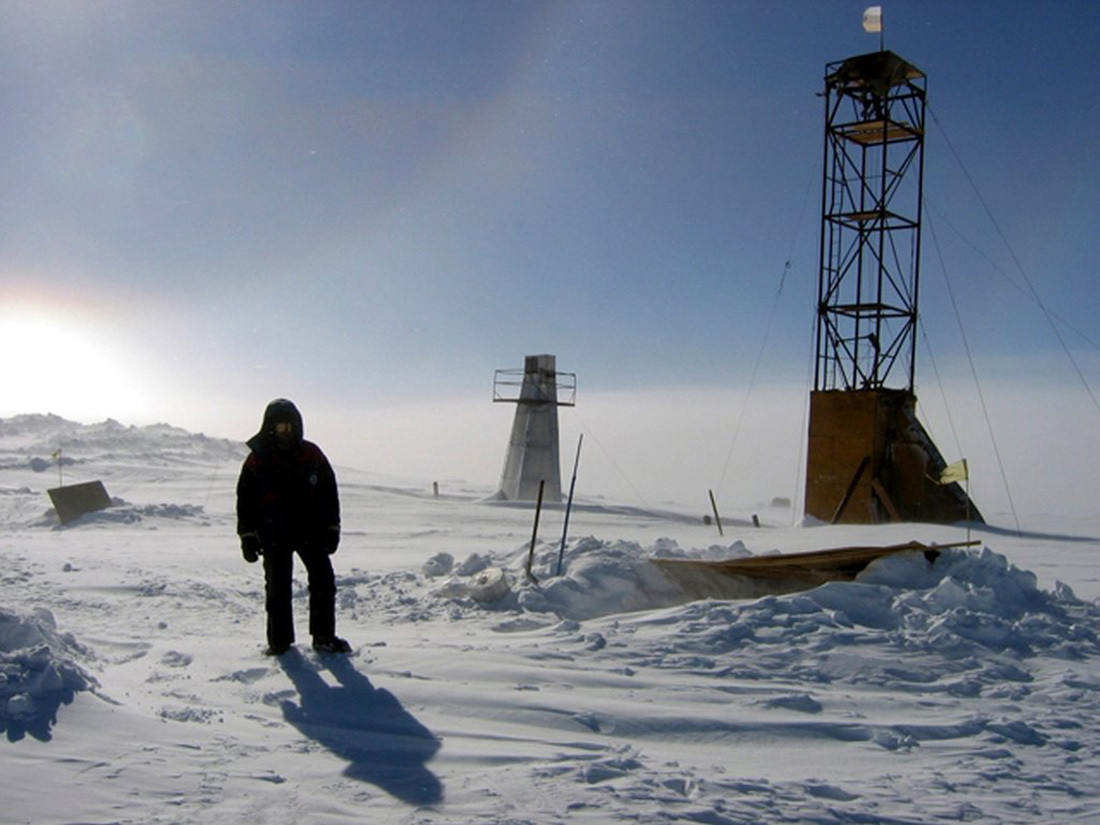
[287, 503]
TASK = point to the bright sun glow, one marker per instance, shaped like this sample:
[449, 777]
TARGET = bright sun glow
[52, 366]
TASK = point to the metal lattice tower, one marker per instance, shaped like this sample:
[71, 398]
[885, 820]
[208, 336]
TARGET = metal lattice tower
[871, 218]
[868, 457]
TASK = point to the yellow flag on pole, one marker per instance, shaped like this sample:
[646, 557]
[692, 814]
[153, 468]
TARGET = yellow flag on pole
[954, 472]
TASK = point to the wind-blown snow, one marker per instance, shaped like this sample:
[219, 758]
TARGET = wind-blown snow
[133, 689]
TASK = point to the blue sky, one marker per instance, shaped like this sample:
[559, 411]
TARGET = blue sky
[365, 205]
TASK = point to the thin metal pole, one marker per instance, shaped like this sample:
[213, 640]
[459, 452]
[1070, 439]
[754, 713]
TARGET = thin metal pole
[966, 470]
[714, 507]
[535, 534]
[569, 502]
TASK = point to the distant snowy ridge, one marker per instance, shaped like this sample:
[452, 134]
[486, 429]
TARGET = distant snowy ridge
[36, 438]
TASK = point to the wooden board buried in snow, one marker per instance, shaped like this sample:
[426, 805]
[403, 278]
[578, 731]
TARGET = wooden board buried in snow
[761, 575]
[76, 500]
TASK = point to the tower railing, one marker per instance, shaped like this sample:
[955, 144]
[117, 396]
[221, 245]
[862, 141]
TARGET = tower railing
[508, 387]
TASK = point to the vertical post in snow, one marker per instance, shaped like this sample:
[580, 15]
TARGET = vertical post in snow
[966, 472]
[714, 507]
[535, 533]
[569, 502]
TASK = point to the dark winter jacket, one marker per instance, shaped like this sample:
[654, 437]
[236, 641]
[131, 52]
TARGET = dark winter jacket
[286, 493]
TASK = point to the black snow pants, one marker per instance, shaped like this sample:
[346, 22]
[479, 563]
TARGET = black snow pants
[279, 578]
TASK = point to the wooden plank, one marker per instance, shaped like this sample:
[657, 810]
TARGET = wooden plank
[884, 497]
[878, 131]
[841, 563]
[851, 489]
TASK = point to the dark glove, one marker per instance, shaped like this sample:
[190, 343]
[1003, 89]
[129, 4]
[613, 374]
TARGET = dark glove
[331, 540]
[251, 549]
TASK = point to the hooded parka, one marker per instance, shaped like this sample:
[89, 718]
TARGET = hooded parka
[286, 494]
[287, 504]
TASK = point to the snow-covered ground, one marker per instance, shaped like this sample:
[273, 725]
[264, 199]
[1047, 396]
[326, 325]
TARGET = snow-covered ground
[133, 688]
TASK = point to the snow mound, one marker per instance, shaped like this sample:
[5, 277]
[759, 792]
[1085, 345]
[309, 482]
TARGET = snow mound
[967, 603]
[123, 512]
[38, 672]
[601, 579]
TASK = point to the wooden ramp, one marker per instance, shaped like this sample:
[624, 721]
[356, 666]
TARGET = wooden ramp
[763, 575]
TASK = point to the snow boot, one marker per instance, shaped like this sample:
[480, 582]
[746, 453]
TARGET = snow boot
[331, 644]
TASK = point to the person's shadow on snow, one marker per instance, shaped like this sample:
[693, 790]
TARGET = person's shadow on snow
[368, 727]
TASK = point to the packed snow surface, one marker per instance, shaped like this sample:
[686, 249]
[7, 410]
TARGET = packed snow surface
[133, 688]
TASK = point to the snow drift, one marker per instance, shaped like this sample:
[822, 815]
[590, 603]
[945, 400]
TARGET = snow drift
[131, 672]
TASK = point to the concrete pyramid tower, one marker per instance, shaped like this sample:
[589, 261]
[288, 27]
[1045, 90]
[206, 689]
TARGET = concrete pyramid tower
[533, 455]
